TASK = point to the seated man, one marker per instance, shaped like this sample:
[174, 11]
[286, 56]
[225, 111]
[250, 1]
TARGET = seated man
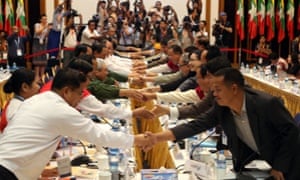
[103, 91]
[35, 131]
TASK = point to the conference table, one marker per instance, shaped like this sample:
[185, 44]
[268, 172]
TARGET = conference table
[288, 93]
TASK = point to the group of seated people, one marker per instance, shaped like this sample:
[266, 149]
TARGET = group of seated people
[34, 121]
[266, 56]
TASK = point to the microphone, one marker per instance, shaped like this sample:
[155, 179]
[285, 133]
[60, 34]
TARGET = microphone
[199, 144]
[82, 158]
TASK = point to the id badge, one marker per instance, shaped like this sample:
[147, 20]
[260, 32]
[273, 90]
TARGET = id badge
[41, 41]
[19, 52]
[4, 55]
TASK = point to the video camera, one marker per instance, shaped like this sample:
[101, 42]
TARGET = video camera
[217, 31]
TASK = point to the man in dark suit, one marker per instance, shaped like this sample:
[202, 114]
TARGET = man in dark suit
[16, 47]
[257, 126]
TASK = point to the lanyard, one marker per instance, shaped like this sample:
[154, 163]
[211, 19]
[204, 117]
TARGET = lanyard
[17, 41]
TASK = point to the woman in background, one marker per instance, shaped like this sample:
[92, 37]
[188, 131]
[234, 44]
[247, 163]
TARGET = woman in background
[39, 44]
[23, 84]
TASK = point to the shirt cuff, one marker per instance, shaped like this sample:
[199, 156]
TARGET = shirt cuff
[174, 113]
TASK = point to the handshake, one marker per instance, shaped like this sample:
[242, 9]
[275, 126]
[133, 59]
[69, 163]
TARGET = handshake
[145, 141]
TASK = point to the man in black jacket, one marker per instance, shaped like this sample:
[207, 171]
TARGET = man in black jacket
[257, 126]
[16, 47]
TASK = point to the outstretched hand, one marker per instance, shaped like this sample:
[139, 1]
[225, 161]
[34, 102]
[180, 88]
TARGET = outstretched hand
[159, 110]
[145, 141]
[142, 112]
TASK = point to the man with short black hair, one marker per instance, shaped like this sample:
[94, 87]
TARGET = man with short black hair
[257, 125]
[34, 132]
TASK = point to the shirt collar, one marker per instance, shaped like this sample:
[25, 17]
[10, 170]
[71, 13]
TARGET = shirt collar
[243, 110]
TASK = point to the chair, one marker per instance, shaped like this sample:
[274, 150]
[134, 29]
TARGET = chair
[297, 119]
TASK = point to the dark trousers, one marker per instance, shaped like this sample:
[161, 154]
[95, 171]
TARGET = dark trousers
[5, 174]
[20, 61]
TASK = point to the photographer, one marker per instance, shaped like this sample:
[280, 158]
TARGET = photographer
[222, 31]
[126, 34]
[196, 8]
[169, 14]
[186, 33]
[165, 31]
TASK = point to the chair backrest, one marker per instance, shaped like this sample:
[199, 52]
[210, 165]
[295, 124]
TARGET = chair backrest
[297, 119]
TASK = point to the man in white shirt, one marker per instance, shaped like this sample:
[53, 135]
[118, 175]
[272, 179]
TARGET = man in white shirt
[89, 34]
[35, 131]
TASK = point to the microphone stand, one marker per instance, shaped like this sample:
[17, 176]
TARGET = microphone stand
[198, 145]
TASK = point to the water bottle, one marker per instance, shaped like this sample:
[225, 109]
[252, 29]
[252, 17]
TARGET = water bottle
[276, 79]
[7, 67]
[114, 153]
[221, 161]
[247, 68]
[114, 165]
[117, 103]
[14, 67]
[242, 68]
[129, 172]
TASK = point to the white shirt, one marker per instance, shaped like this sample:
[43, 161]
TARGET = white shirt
[164, 68]
[87, 35]
[117, 66]
[70, 39]
[12, 108]
[35, 131]
[189, 96]
[92, 105]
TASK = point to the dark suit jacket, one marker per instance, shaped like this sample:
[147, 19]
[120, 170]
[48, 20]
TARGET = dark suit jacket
[273, 128]
[14, 42]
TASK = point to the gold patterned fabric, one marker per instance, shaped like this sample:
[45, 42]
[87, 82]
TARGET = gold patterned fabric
[4, 98]
[157, 157]
[291, 101]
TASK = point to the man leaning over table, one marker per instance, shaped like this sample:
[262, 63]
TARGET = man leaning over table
[35, 131]
[257, 125]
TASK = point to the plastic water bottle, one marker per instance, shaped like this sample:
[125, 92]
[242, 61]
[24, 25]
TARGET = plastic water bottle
[14, 67]
[276, 79]
[129, 172]
[114, 153]
[7, 67]
[242, 68]
[221, 161]
[247, 68]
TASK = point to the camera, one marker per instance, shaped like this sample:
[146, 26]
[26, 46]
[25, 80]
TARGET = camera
[217, 31]
[73, 13]
[167, 8]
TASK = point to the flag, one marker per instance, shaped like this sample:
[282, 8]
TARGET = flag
[290, 12]
[261, 16]
[298, 15]
[9, 16]
[270, 20]
[1, 16]
[20, 19]
[252, 23]
[280, 20]
[240, 19]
